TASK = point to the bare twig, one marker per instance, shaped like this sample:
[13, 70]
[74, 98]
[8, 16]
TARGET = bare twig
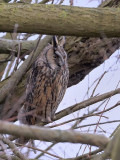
[85, 104]
[97, 84]
[85, 116]
[4, 149]
[85, 156]
[13, 148]
[18, 57]
[105, 108]
[93, 124]
[48, 148]
[38, 149]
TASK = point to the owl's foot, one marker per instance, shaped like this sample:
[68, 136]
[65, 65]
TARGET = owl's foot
[46, 120]
[49, 120]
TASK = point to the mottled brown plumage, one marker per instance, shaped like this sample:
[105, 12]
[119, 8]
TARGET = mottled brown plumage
[46, 86]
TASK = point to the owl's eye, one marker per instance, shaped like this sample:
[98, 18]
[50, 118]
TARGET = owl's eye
[55, 54]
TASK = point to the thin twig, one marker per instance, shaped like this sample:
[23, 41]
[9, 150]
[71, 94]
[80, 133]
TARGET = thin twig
[98, 83]
[86, 116]
[85, 104]
[82, 126]
[13, 148]
[85, 156]
[38, 149]
[43, 152]
[18, 57]
[4, 149]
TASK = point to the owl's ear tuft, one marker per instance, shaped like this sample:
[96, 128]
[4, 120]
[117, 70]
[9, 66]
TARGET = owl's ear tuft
[55, 42]
[62, 43]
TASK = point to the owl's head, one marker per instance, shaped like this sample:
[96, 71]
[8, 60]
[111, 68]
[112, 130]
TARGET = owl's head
[59, 52]
[54, 54]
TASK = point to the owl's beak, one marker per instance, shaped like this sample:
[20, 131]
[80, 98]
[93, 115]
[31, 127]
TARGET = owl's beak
[58, 54]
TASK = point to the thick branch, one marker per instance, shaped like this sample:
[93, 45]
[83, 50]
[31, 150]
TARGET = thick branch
[111, 150]
[62, 20]
[6, 46]
[53, 135]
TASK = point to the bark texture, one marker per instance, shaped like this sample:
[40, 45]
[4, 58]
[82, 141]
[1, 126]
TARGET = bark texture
[60, 20]
[86, 54]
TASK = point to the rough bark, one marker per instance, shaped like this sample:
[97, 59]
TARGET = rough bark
[7, 44]
[86, 54]
[60, 20]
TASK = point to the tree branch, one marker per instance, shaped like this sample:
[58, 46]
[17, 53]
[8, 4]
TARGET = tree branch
[62, 20]
[85, 104]
[112, 149]
[85, 156]
[7, 44]
[13, 148]
[49, 135]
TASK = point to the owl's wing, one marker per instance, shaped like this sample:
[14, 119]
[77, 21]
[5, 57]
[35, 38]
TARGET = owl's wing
[31, 80]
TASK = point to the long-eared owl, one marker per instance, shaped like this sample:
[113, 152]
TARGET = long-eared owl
[46, 85]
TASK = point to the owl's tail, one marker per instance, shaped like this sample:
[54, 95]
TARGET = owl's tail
[22, 119]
